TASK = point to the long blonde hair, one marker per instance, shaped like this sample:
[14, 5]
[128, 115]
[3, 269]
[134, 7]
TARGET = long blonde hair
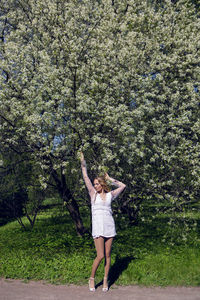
[103, 183]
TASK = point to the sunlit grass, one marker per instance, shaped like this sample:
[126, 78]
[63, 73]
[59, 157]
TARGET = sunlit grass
[152, 253]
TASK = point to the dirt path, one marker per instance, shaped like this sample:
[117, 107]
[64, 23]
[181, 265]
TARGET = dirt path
[18, 290]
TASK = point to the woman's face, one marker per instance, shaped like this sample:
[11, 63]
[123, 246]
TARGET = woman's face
[97, 186]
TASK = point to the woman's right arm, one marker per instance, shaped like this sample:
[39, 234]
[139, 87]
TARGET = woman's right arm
[88, 183]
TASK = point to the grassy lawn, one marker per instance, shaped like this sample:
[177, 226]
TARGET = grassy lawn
[152, 253]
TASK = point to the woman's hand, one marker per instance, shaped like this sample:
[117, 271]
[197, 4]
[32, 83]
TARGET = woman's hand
[81, 156]
[107, 177]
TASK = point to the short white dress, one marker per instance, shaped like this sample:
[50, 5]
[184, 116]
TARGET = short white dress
[102, 220]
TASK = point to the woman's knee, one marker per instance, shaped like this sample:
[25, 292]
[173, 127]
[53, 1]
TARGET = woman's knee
[108, 256]
[100, 256]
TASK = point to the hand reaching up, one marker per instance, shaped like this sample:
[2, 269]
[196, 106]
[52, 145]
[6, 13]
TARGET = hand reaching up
[81, 156]
[107, 177]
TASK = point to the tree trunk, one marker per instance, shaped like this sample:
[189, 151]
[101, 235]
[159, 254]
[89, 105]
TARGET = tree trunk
[71, 203]
[73, 209]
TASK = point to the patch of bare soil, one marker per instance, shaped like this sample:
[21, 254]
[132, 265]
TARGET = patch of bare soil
[18, 290]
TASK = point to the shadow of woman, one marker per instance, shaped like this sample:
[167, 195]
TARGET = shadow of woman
[116, 270]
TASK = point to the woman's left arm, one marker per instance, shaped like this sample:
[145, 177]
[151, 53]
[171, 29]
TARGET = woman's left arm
[120, 186]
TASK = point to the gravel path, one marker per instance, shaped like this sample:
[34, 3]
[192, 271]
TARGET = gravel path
[18, 290]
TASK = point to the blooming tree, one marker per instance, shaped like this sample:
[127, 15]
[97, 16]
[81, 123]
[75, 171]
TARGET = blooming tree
[115, 79]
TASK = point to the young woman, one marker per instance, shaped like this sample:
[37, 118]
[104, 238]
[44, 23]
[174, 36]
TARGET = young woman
[103, 226]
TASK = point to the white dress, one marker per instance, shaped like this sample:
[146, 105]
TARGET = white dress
[102, 220]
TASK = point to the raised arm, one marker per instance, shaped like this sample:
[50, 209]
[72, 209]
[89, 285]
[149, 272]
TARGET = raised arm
[120, 186]
[88, 183]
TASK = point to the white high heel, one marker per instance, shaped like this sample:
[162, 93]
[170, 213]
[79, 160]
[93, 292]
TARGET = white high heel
[105, 289]
[92, 289]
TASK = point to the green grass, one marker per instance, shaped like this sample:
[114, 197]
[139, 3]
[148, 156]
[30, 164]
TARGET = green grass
[152, 253]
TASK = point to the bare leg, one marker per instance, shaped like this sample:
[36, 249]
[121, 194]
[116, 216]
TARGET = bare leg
[108, 245]
[99, 244]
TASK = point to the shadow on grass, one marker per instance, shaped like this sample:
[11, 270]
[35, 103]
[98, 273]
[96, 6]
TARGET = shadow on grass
[120, 265]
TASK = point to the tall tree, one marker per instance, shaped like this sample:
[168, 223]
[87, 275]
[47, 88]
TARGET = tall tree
[118, 80]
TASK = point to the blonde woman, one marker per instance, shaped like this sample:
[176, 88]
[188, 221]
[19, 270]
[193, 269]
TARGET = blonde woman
[103, 226]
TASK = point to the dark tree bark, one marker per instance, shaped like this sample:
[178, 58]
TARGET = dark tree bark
[73, 209]
[71, 203]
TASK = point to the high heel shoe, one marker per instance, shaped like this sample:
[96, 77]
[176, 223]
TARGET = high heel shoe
[105, 289]
[92, 289]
